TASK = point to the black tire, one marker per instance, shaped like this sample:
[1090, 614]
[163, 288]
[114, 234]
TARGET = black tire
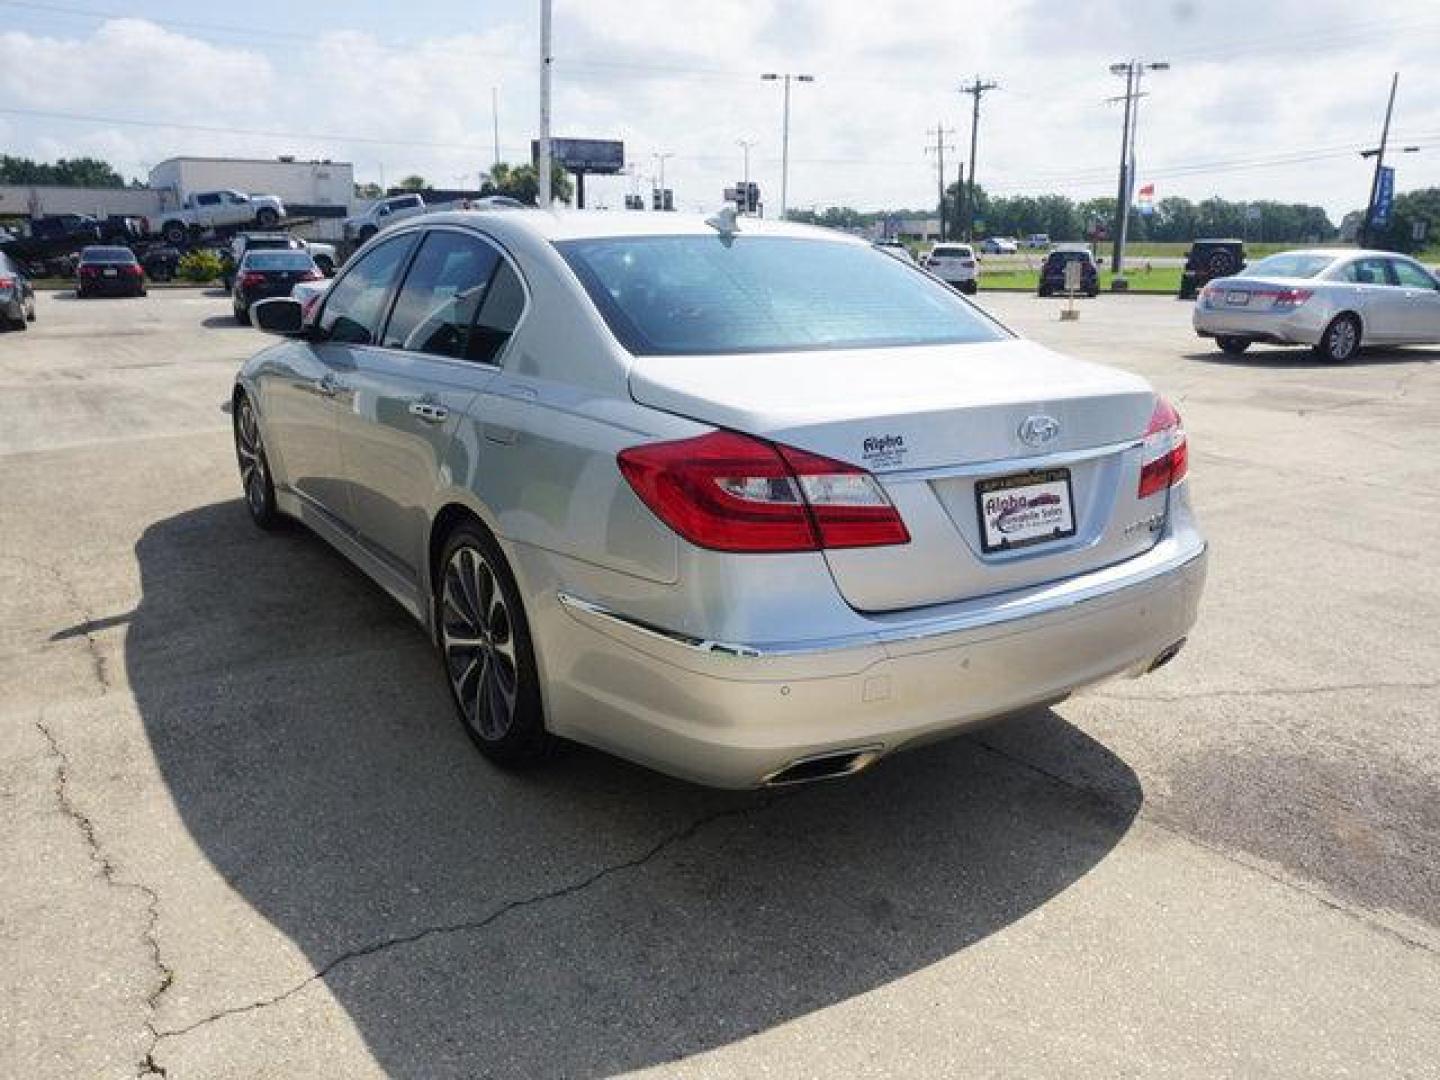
[1043, 291]
[255, 479]
[174, 232]
[266, 217]
[241, 317]
[1093, 293]
[1233, 345]
[1341, 341]
[502, 654]
[969, 288]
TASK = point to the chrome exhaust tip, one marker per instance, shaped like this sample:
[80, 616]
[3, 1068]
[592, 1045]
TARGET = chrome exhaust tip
[831, 765]
[1165, 655]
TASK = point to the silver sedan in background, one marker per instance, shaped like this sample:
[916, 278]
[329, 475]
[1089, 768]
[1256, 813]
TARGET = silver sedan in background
[748, 502]
[1333, 300]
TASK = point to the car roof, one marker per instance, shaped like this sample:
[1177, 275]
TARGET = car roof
[596, 224]
[105, 249]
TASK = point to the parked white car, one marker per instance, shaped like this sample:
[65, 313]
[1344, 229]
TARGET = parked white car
[1333, 300]
[999, 245]
[955, 265]
[205, 211]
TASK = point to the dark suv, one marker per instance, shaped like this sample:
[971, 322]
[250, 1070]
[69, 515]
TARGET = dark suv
[1207, 260]
[1052, 272]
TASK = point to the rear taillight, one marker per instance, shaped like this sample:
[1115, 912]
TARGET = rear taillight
[1288, 298]
[312, 275]
[133, 269]
[89, 271]
[7, 283]
[250, 278]
[732, 492]
[1166, 454]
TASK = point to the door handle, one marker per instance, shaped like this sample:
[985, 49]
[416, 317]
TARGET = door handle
[432, 412]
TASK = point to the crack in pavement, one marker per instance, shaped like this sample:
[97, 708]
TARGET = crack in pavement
[1266, 692]
[660, 847]
[165, 975]
[88, 619]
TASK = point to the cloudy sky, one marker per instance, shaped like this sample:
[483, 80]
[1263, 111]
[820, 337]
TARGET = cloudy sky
[1263, 100]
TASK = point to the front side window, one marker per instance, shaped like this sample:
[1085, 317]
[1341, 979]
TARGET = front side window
[442, 294]
[1411, 276]
[207, 200]
[355, 305]
[704, 294]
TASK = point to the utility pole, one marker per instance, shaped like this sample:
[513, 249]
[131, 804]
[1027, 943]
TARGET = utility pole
[976, 90]
[938, 149]
[1365, 226]
[545, 64]
[772, 76]
[1134, 71]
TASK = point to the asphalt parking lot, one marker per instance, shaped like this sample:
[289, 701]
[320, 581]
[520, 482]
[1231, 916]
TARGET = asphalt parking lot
[245, 837]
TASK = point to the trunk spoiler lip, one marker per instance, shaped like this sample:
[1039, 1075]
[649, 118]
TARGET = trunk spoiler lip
[1012, 464]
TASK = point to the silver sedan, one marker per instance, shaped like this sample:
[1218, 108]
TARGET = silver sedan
[1333, 300]
[750, 503]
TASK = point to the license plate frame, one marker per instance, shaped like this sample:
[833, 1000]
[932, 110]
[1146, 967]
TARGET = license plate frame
[1046, 484]
[1237, 298]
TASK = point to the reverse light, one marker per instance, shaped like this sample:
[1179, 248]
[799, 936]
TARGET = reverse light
[731, 492]
[1166, 453]
[1287, 299]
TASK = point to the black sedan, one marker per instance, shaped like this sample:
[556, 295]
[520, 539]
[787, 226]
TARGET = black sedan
[109, 271]
[263, 274]
[17, 295]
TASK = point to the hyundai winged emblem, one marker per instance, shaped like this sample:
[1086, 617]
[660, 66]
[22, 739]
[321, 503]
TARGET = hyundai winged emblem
[1038, 430]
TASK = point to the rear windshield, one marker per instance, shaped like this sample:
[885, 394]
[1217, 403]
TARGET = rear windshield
[107, 255]
[1294, 266]
[278, 261]
[1068, 256]
[950, 252]
[698, 295]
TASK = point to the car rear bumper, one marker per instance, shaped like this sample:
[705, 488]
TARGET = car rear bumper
[128, 286]
[736, 715]
[1303, 326]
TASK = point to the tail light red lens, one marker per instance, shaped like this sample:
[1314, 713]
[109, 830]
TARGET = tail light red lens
[312, 275]
[250, 279]
[1166, 453]
[1290, 298]
[7, 283]
[731, 492]
[89, 271]
[133, 269]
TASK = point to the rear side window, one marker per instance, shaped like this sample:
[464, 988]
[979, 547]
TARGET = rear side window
[355, 305]
[1361, 271]
[702, 294]
[442, 295]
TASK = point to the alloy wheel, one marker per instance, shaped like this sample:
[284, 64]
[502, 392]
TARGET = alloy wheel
[478, 639]
[251, 452]
[1343, 339]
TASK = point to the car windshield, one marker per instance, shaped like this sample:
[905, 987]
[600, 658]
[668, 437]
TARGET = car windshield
[1291, 266]
[278, 261]
[117, 255]
[699, 295]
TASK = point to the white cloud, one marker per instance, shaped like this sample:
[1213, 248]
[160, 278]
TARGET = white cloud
[1249, 82]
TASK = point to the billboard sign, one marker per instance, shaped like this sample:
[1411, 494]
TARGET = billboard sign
[584, 155]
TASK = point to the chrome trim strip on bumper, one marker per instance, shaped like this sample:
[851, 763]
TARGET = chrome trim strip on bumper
[907, 632]
[1012, 464]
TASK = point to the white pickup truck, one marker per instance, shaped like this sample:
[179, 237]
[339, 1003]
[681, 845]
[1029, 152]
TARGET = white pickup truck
[385, 212]
[206, 211]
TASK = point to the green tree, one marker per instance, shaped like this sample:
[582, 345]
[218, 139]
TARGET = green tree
[369, 191]
[71, 172]
[413, 183]
[522, 182]
[1412, 208]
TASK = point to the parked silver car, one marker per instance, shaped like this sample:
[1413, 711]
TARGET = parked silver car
[1333, 300]
[750, 507]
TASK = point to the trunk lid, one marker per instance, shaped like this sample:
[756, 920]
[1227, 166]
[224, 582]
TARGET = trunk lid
[938, 426]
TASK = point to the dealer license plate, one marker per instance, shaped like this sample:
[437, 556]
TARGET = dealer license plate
[1024, 509]
[1237, 298]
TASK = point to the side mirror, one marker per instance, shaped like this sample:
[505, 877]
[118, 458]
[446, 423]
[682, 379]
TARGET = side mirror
[279, 315]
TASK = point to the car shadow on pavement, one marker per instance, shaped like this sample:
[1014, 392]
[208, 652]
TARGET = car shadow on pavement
[222, 322]
[1301, 357]
[584, 919]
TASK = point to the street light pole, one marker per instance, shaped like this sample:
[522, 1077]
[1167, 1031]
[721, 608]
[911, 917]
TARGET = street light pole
[745, 145]
[660, 159]
[545, 64]
[785, 135]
